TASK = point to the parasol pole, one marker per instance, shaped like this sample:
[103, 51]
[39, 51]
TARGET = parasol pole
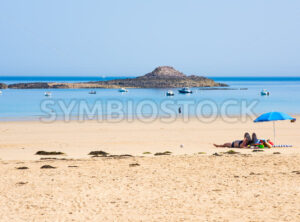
[274, 132]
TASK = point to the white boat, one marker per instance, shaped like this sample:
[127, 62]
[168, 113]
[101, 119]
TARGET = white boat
[170, 93]
[123, 90]
[264, 92]
[93, 92]
[0, 92]
[185, 90]
[48, 93]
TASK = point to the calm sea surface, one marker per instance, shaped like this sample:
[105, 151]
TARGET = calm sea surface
[19, 104]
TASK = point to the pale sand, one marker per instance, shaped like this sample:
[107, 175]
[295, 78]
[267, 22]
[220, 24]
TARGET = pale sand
[20, 140]
[173, 188]
[194, 187]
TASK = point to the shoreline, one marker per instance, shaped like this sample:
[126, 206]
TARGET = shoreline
[130, 118]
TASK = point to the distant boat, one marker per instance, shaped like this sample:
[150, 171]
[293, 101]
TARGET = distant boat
[170, 93]
[264, 92]
[185, 90]
[123, 90]
[92, 92]
[0, 92]
[48, 93]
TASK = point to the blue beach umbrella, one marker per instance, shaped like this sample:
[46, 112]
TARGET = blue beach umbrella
[273, 116]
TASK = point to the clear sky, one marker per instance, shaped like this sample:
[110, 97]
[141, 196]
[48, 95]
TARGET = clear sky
[132, 37]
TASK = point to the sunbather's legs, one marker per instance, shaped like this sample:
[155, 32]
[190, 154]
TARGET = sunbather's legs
[224, 145]
[254, 138]
[237, 143]
[247, 136]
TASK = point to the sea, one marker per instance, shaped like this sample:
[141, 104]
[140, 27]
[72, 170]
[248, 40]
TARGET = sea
[242, 97]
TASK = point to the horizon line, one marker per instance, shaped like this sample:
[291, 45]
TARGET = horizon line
[105, 76]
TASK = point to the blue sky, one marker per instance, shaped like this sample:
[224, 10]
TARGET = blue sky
[132, 37]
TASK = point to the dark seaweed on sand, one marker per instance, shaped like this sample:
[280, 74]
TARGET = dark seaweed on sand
[163, 153]
[134, 164]
[98, 153]
[47, 167]
[22, 168]
[48, 153]
[231, 152]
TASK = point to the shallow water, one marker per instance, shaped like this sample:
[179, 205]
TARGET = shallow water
[19, 104]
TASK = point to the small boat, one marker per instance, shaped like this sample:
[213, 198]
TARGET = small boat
[92, 92]
[185, 90]
[264, 92]
[0, 92]
[48, 93]
[170, 93]
[123, 90]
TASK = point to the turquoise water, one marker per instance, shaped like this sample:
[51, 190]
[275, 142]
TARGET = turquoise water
[26, 79]
[18, 104]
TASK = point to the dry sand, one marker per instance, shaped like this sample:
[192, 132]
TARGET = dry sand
[184, 186]
[20, 140]
[167, 188]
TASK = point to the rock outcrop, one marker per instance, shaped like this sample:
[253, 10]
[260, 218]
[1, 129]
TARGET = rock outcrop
[3, 86]
[161, 77]
[34, 85]
[164, 72]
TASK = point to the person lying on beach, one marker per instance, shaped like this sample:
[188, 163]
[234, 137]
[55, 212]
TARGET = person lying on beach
[238, 143]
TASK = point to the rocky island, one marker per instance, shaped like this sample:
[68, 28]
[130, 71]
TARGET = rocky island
[161, 77]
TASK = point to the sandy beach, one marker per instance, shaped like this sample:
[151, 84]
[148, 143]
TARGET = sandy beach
[21, 140]
[189, 185]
